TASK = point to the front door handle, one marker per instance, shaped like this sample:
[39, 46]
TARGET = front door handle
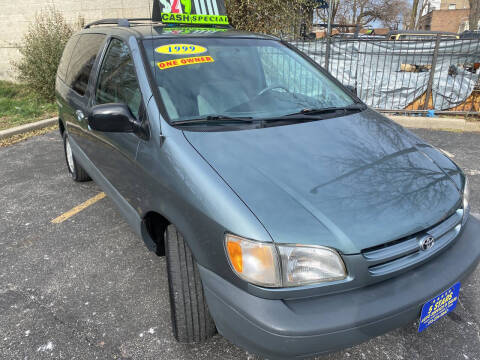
[80, 115]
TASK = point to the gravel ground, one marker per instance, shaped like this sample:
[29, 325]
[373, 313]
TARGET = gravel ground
[89, 289]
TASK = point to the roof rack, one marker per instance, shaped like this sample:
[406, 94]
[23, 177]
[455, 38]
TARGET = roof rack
[118, 22]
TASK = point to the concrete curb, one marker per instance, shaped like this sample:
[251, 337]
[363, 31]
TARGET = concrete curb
[436, 123]
[27, 127]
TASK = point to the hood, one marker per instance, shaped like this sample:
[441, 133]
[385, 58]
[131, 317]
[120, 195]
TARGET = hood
[349, 183]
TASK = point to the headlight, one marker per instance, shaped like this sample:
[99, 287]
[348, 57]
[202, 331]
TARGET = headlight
[308, 265]
[466, 200]
[268, 265]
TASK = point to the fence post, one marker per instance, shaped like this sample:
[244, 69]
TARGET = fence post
[432, 74]
[329, 34]
[327, 54]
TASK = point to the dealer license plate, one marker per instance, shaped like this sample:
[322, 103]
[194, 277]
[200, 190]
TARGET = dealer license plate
[439, 306]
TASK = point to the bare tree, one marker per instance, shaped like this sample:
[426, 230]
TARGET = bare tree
[414, 11]
[474, 17]
[406, 15]
[393, 13]
[362, 12]
[335, 7]
[413, 16]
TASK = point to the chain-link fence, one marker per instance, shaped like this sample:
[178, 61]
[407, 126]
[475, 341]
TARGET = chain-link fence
[404, 75]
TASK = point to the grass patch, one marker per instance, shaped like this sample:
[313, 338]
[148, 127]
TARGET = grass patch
[18, 106]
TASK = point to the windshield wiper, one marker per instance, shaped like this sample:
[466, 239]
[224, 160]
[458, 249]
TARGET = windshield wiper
[312, 112]
[304, 115]
[215, 119]
[307, 115]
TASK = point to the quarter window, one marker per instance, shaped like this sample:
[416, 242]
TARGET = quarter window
[66, 57]
[117, 82]
[82, 61]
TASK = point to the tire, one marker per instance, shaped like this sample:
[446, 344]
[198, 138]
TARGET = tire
[191, 320]
[74, 168]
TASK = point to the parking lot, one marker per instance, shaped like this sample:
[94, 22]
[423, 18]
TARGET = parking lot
[87, 288]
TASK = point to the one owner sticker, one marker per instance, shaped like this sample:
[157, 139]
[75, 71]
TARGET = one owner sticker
[181, 49]
[184, 62]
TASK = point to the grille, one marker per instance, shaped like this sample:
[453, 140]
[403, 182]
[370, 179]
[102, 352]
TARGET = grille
[406, 253]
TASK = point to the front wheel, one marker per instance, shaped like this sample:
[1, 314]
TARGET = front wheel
[74, 168]
[191, 320]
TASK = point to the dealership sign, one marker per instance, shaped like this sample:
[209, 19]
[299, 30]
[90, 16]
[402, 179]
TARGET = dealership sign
[205, 12]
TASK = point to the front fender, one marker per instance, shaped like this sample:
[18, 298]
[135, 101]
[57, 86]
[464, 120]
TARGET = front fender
[181, 186]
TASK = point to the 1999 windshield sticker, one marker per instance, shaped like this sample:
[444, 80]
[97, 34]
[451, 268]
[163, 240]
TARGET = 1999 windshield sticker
[184, 62]
[181, 49]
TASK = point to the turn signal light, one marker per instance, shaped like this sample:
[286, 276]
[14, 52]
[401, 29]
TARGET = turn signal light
[253, 261]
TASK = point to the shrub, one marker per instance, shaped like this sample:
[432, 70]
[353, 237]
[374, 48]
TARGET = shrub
[277, 17]
[41, 50]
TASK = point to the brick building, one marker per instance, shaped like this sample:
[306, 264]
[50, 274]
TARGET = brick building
[17, 15]
[452, 16]
[445, 20]
[454, 4]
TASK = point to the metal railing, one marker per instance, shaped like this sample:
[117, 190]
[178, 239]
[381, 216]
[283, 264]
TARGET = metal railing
[405, 75]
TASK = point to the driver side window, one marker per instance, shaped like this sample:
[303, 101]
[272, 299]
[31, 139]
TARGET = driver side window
[117, 81]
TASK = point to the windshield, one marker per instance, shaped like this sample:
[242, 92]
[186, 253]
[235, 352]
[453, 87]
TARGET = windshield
[242, 78]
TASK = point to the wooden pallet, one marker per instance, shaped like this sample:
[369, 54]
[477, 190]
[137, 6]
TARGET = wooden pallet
[472, 103]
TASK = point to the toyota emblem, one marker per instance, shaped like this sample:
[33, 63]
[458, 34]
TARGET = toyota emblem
[427, 243]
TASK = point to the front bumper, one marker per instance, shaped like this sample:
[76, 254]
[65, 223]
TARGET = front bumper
[286, 329]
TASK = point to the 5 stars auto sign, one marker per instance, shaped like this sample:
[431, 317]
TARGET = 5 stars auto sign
[190, 11]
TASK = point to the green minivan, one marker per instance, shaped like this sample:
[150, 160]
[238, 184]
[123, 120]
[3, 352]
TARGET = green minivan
[295, 220]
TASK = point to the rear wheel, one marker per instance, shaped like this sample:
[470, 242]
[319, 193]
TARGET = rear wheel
[74, 168]
[191, 320]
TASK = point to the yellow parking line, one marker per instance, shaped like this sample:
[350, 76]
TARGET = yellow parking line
[78, 208]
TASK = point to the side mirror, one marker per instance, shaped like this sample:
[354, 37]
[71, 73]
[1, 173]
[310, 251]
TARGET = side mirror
[352, 89]
[112, 118]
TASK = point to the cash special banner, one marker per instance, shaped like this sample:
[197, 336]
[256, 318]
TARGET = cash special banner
[205, 12]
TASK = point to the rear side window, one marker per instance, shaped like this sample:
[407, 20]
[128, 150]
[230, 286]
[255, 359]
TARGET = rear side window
[82, 61]
[66, 57]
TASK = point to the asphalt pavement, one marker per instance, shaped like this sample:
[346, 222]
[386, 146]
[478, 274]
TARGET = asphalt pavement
[87, 288]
